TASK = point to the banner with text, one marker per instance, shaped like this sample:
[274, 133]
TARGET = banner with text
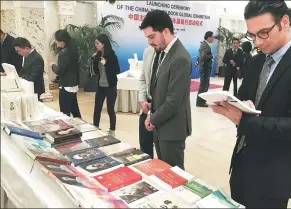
[191, 21]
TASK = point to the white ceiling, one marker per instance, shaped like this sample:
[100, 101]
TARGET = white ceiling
[234, 9]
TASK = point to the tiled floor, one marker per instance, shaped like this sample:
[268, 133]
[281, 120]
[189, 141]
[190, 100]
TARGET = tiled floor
[208, 150]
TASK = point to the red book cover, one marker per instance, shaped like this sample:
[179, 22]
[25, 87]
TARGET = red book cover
[152, 167]
[171, 178]
[118, 178]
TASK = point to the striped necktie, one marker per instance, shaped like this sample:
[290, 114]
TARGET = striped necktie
[263, 78]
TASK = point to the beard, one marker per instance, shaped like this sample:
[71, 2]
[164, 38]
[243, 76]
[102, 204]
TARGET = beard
[160, 47]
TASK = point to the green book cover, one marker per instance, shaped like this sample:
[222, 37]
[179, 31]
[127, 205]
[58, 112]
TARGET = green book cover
[198, 189]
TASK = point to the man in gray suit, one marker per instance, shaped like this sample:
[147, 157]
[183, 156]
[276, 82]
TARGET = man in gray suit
[146, 139]
[205, 63]
[170, 115]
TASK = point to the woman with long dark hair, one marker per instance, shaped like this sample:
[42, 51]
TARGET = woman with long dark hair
[68, 71]
[247, 57]
[106, 66]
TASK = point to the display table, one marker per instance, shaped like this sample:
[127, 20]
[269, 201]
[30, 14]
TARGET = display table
[24, 183]
[127, 93]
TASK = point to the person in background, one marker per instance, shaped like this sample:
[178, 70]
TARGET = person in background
[205, 63]
[261, 161]
[247, 57]
[146, 138]
[32, 65]
[8, 53]
[170, 115]
[232, 58]
[106, 66]
[67, 69]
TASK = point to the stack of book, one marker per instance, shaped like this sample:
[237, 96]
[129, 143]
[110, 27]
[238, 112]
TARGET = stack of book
[100, 171]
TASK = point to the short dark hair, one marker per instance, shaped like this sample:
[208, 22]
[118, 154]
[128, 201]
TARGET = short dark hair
[158, 20]
[21, 42]
[277, 8]
[208, 34]
[247, 47]
[1, 31]
[235, 39]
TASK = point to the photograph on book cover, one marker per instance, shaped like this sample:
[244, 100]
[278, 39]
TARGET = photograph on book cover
[57, 168]
[73, 180]
[135, 192]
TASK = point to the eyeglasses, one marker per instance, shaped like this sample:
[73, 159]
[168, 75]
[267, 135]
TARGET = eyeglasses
[263, 34]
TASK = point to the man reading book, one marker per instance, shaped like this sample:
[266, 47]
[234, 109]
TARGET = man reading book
[261, 161]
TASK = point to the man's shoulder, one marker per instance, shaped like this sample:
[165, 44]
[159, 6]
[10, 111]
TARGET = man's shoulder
[37, 57]
[182, 53]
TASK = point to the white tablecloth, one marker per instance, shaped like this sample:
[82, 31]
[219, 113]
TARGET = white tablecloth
[127, 93]
[25, 184]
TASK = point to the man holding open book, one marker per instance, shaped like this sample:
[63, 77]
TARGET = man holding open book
[261, 162]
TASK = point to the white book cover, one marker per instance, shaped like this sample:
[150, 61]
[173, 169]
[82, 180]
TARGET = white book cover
[169, 200]
[182, 173]
[28, 86]
[135, 193]
[11, 72]
[12, 108]
[186, 195]
[215, 97]
[9, 84]
[216, 200]
[26, 111]
[33, 103]
[154, 180]
[116, 148]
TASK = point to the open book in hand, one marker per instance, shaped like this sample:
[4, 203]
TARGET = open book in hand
[215, 97]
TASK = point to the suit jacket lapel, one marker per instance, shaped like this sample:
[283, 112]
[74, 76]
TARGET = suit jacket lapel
[278, 72]
[28, 60]
[167, 59]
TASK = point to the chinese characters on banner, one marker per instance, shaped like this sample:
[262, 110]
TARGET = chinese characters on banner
[191, 20]
[178, 21]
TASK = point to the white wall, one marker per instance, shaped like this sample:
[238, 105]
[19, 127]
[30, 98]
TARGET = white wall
[84, 14]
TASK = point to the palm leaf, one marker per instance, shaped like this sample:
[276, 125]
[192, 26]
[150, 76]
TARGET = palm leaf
[111, 22]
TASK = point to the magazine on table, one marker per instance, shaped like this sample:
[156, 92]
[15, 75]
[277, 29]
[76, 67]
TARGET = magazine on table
[215, 97]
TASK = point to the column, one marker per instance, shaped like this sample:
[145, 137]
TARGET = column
[30, 24]
[8, 18]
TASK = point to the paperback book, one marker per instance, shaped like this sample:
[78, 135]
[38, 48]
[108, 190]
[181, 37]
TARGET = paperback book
[135, 192]
[131, 157]
[102, 141]
[99, 166]
[85, 155]
[215, 97]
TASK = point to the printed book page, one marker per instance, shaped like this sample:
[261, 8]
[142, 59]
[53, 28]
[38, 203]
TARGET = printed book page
[215, 97]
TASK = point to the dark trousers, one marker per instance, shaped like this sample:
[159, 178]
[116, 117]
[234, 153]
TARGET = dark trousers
[146, 138]
[205, 73]
[171, 152]
[246, 197]
[227, 81]
[110, 93]
[68, 103]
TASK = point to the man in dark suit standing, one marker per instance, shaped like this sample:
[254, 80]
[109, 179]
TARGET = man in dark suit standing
[8, 53]
[170, 115]
[233, 59]
[205, 63]
[261, 161]
[33, 65]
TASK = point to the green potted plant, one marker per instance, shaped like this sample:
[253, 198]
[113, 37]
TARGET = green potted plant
[225, 37]
[85, 37]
